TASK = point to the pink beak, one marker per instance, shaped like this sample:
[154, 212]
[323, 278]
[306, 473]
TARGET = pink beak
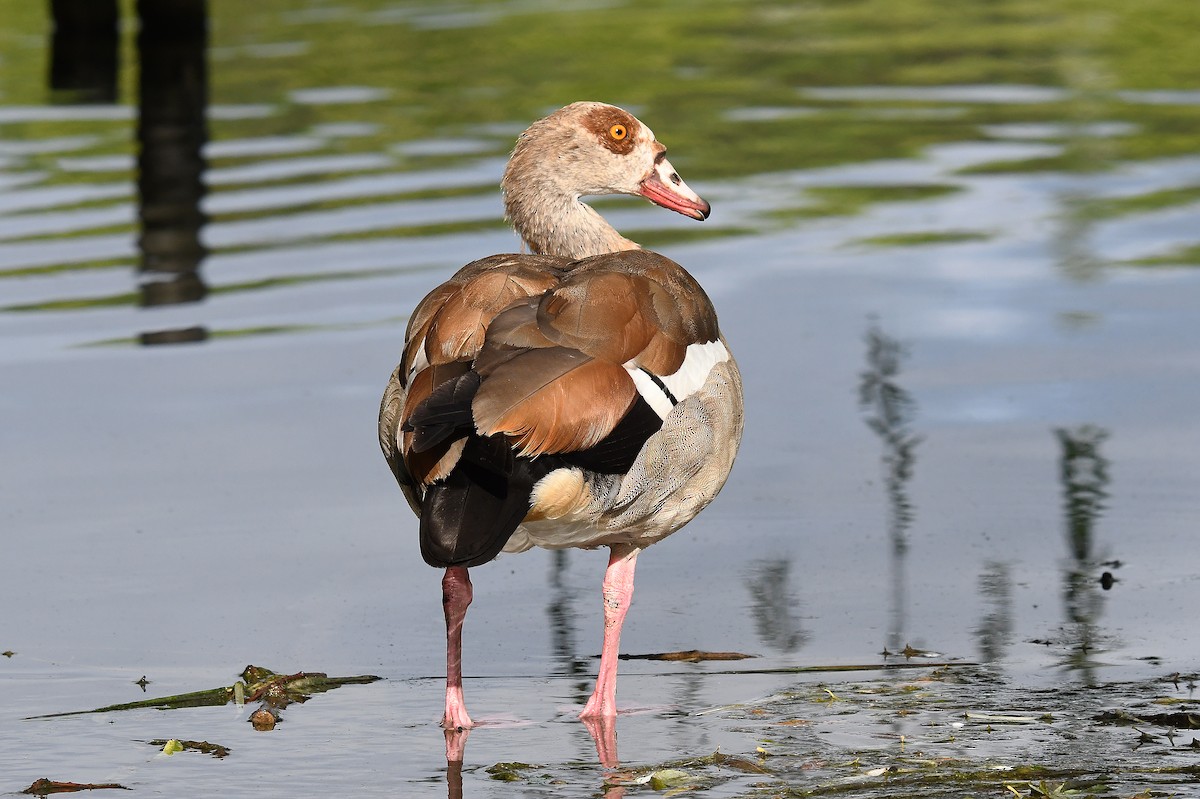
[664, 187]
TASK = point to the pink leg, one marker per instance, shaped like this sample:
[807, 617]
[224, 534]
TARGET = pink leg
[456, 596]
[618, 592]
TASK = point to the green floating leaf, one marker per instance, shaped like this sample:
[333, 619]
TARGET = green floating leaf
[668, 778]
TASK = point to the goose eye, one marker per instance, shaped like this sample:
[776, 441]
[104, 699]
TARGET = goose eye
[618, 132]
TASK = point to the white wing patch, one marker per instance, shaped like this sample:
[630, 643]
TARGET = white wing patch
[698, 361]
[420, 362]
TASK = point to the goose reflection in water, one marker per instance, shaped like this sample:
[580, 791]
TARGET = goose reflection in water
[603, 731]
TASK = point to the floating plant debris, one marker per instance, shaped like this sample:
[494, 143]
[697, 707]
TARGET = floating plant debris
[689, 656]
[275, 691]
[177, 745]
[44, 787]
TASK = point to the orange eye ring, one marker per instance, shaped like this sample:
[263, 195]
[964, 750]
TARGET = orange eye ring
[618, 132]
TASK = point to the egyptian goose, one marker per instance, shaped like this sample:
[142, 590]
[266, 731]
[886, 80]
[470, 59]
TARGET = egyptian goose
[579, 396]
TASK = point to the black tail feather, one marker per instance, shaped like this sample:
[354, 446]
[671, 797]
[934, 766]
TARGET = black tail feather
[467, 518]
[492, 453]
[445, 413]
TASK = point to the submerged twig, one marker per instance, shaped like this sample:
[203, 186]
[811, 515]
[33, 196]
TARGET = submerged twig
[689, 656]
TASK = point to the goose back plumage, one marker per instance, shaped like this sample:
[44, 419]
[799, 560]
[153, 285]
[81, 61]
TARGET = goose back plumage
[515, 369]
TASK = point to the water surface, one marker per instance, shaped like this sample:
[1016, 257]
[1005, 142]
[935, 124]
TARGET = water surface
[954, 250]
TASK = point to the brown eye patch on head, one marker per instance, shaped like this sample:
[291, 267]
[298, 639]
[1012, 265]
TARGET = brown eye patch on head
[614, 128]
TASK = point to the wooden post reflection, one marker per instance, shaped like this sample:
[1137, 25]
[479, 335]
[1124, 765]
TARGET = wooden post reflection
[994, 632]
[1083, 471]
[773, 603]
[890, 410]
[171, 133]
[84, 50]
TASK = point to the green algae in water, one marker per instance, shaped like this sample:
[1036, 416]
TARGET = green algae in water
[1116, 207]
[509, 772]
[1183, 257]
[938, 733]
[922, 238]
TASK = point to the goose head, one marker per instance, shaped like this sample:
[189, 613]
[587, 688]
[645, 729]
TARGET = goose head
[588, 149]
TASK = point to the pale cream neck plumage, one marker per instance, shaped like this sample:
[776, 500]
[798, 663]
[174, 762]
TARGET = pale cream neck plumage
[569, 155]
[561, 224]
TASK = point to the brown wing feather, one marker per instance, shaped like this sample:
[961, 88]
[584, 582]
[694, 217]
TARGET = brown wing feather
[418, 326]
[553, 400]
[603, 314]
[511, 333]
[629, 307]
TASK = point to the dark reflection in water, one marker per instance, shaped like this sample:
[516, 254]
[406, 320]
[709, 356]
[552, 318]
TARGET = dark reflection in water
[84, 51]
[603, 732]
[995, 628]
[456, 749]
[172, 131]
[773, 605]
[560, 613]
[889, 411]
[1074, 251]
[1084, 475]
